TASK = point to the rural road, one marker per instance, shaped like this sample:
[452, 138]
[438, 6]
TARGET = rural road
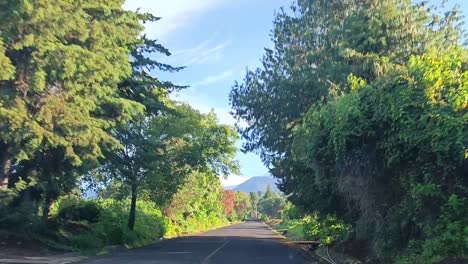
[250, 242]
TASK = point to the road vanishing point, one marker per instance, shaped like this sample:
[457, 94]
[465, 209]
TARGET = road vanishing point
[249, 242]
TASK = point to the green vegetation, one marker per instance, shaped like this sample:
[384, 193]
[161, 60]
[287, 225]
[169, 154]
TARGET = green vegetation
[266, 206]
[237, 205]
[77, 226]
[197, 206]
[360, 109]
[328, 230]
[271, 204]
[80, 105]
[295, 229]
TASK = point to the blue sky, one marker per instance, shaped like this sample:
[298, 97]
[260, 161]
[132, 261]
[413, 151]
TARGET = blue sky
[217, 40]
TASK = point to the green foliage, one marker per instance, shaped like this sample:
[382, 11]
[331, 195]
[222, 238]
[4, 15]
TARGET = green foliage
[295, 228]
[328, 230]
[242, 206]
[160, 151]
[45, 51]
[271, 204]
[197, 205]
[448, 237]
[291, 212]
[62, 62]
[79, 211]
[361, 111]
[400, 145]
[110, 227]
[79, 102]
[254, 199]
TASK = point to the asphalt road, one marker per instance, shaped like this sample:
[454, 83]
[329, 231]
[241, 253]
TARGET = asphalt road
[250, 242]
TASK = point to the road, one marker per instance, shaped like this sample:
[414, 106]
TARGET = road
[250, 242]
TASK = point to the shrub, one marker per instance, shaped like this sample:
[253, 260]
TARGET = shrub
[291, 212]
[328, 230]
[448, 238]
[110, 225]
[80, 211]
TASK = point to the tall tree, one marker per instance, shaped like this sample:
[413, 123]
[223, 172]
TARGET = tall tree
[199, 199]
[341, 109]
[242, 205]
[61, 63]
[228, 201]
[318, 46]
[254, 198]
[160, 151]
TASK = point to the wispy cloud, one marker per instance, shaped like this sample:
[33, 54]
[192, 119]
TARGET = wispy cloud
[214, 78]
[175, 14]
[223, 114]
[203, 53]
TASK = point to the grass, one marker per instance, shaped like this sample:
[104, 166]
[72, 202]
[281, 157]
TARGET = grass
[294, 229]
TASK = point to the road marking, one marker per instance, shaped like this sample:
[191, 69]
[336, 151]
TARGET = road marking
[205, 260]
[198, 241]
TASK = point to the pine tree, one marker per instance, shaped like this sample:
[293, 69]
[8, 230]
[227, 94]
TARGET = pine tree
[61, 63]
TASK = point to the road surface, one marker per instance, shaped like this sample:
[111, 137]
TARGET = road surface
[250, 242]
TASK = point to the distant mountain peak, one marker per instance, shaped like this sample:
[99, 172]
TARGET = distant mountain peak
[257, 183]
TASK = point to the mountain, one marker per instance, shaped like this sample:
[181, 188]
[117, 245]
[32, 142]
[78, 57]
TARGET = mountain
[258, 183]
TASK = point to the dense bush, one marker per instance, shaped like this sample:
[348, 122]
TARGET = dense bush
[108, 227]
[395, 161]
[79, 210]
[197, 206]
[449, 237]
[328, 230]
[291, 212]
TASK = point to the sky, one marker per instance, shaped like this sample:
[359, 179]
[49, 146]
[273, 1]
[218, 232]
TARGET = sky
[217, 40]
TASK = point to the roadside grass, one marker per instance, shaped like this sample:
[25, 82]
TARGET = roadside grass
[294, 228]
[194, 226]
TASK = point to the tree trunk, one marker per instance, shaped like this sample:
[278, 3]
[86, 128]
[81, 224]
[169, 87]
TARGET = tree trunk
[5, 172]
[131, 216]
[46, 209]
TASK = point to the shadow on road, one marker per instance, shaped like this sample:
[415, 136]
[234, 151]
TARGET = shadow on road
[250, 242]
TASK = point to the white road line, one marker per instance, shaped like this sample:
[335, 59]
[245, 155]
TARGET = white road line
[205, 260]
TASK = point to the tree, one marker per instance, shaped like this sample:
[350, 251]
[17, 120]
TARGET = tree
[254, 199]
[228, 201]
[61, 62]
[375, 155]
[350, 110]
[318, 46]
[199, 199]
[242, 205]
[268, 193]
[271, 204]
[160, 151]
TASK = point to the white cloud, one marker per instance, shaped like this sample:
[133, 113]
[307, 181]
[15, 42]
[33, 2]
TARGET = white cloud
[233, 180]
[222, 113]
[175, 14]
[203, 53]
[214, 78]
